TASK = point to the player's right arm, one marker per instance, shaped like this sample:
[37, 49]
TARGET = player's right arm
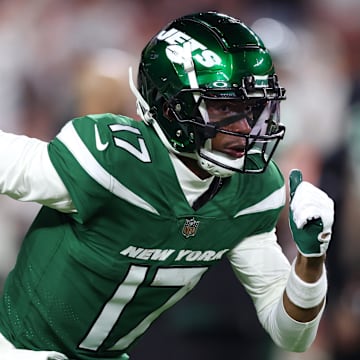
[27, 174]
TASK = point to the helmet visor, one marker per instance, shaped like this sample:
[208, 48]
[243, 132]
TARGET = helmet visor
[262, 117]
[260, 135]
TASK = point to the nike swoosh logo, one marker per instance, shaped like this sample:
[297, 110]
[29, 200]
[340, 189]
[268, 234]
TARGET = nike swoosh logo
[99, 144]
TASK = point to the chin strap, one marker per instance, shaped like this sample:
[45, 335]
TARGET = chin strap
[142, 107]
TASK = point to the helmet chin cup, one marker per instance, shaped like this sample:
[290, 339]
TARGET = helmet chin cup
[219, 164]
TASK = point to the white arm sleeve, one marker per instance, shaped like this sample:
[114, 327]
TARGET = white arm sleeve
[263, 269]
[9, 352]
[27, 174]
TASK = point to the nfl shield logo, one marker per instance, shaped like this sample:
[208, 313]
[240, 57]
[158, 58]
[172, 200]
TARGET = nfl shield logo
[190, 227]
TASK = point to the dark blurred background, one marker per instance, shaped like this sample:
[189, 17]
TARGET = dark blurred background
[61, 59]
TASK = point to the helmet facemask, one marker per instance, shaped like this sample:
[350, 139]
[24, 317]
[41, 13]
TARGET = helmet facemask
[261, 115]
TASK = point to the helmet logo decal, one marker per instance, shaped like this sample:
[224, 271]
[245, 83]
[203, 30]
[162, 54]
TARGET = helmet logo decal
[221, 84]
[176, 53]
[190, 227]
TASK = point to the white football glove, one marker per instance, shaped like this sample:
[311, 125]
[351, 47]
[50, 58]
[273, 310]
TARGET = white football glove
[311, 216]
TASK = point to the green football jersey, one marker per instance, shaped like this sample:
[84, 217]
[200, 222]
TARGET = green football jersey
[90, 283]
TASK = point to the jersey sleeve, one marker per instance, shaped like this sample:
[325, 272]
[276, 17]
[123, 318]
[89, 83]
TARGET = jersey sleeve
[81, 155]
[26, 173]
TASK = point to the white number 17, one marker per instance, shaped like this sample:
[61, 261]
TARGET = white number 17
[142, 154]
[182, 277]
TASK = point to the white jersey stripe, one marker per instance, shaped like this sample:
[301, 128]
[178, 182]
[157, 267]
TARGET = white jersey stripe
[272, 202]
[70, 138]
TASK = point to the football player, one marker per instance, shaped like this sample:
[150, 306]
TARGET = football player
[136, 212]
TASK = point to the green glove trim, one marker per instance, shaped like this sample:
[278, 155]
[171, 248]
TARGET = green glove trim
[295, 180]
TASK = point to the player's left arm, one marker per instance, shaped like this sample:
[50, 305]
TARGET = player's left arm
[263, 269]
[290, 299]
